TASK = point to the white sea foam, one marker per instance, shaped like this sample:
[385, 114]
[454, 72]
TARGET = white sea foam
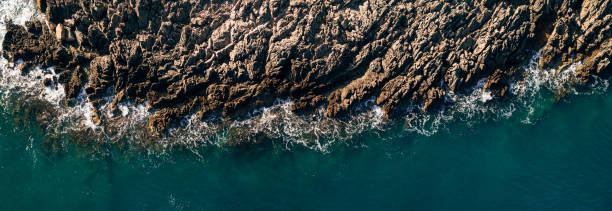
[279, 122]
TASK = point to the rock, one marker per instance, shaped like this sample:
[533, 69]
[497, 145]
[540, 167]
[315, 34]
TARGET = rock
[97, 39]
[498, 83]
[434, 98]
[60, 33]
[78, 37]
[229, 57]
[142, 11]
[74, 81]
[116, 100]
[598, 63]
[59, 10]
[70, 37]
[101, 77]
[95, 116]
[61, 56]
[135, 56]
[63, 34]
[98, 9]
[41, 5]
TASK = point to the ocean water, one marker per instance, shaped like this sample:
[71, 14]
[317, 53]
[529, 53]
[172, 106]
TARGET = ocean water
[549, 147]
[562, 162]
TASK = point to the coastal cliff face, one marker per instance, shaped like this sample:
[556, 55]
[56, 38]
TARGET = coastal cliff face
[228, 57]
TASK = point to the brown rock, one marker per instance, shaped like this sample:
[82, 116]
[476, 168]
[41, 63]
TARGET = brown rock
[41, 5]
[60, 33]
[226, 58]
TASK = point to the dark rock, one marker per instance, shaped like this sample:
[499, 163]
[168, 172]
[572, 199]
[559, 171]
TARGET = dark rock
[97, 39]
[58, 10]
[61, 56]
[498, 83]
[48, 82]
[41, 4]
[98, 9]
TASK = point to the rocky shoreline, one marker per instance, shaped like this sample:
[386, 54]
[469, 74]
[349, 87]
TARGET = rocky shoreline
[230, 57]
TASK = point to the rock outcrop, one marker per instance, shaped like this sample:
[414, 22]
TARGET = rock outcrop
[230, 56]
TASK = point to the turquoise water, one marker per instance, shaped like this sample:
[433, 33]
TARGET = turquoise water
[561, 162]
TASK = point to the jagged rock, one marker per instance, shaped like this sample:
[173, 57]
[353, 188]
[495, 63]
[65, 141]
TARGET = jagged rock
[41, 5]
[95, 116]
[498, 83]
[97, 39]
[228, 57]
[597, 63]
[60, 33]
[74, 81]
[59, 10]
[63, 34]
[78, 37]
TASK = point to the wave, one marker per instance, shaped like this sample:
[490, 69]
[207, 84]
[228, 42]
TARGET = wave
[538, 90]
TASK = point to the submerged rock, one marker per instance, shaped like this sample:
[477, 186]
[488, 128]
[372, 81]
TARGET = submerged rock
[229, 57]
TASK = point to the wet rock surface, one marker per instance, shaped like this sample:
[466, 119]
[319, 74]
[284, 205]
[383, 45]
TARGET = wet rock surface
[229, 57]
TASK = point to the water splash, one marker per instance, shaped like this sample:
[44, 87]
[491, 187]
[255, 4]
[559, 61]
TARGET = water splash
[278, 122]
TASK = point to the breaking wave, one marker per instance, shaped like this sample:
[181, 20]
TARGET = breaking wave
[539, 90]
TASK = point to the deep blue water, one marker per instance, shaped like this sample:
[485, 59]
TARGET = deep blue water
[562, 162]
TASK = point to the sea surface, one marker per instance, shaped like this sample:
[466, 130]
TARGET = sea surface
[548, 147]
